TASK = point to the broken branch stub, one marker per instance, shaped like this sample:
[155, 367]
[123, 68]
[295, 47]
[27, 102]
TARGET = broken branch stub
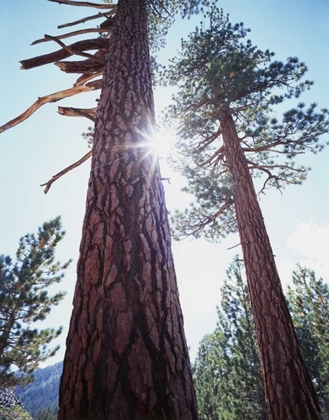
[78, 112]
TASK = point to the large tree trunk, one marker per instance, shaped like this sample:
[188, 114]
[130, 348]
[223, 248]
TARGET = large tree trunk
[288, 386]
[126, 354]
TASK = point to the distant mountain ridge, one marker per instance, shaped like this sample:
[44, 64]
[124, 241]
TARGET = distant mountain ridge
[43, 392]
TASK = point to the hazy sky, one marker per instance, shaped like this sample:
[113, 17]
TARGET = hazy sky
[297, 221]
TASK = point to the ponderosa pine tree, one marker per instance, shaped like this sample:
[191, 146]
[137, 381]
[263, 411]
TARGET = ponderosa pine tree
[208, 372]
[223, 109]
[24, 300]
[309, 305]
[126, 354]
[244, 390]
[227, 369]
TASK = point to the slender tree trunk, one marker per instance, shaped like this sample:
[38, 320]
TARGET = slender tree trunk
[126, 354]
[288, 385]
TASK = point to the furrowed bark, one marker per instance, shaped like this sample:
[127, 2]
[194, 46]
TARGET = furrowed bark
[288, 386]
[126, 355]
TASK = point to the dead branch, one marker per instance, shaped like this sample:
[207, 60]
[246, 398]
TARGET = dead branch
[65, 171]
[85, 66]
[83, 20]
[54, 97]
[86, 76]
[84, 4]
[78, 112]
[234, 246]
[48, 38]
[68, 51]
[93, 57]
[108, 23]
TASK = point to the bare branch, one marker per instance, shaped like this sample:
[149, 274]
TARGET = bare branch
[48, 38]
[87, 76]
[85, 66]
[234, 246]
[78, 112]
[65, 171]
[54, 97]
[84, 4]
[68, 51]
[72, 52]
[83, 20]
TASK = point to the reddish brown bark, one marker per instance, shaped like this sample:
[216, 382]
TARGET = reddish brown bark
[126, 354]
[288, 386]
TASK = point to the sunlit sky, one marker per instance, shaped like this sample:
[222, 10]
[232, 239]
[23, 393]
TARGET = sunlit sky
[30, 153]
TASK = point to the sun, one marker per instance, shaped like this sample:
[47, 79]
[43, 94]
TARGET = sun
[162, 144]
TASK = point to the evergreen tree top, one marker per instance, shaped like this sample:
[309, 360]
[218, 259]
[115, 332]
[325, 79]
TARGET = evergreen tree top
[24, 299]
[220, 72]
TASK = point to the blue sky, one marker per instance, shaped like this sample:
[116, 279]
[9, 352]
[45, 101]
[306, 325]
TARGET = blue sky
[30, 153]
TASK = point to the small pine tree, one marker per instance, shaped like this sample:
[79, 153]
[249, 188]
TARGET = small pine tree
[244, 390]
[309, 305]
[227, 370]
[24, 300]
[209, 372]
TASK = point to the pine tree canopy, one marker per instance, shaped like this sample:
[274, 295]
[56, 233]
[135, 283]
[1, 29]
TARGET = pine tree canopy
[24, 299]
[220, 72]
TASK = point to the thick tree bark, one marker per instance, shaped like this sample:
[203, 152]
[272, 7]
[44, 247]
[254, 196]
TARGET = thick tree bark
[126, 354]
[288, 386]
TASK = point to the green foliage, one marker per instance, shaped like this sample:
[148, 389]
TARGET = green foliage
[228, 375]
[227, 369]
[209, 372]
[309, 306]
[24, 300]
[14, 413]
[162, 14]
[218, 72]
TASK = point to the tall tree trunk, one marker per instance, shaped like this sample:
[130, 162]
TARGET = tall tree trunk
[288, 386]
[126, 355]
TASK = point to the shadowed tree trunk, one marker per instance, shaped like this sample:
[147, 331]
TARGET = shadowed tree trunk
[288, 386]
[126, 354]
